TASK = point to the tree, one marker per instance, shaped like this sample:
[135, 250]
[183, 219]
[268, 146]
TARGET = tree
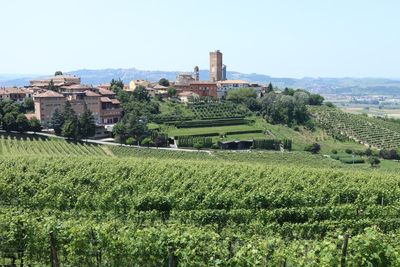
[69, 112]
[29, 105]
[51, 86]
[329, 104]
[119, 132]
[57, 121]
[147, 142]
[374, 161]
[34, 125]
[87, 126]
[270, 88]
[22, 123]
[116, 85]
[314, 148]
[141, 93]
[130, 141]
[241, 95]
[171, 91]
[316, 100]
[58, 73]
[135, 126]
[70, 129]
[198, 145]
[163, 82]
[9, 122]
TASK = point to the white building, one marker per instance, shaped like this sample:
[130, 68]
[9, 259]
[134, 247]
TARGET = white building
[224, 86]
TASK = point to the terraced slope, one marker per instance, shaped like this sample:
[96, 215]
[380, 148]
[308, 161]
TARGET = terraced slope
[368, 131]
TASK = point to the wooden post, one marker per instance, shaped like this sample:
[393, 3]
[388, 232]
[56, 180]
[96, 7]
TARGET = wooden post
[344, 250]
[53, 251]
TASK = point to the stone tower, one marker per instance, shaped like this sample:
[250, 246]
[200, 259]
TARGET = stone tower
[196, 73]
[215, 66]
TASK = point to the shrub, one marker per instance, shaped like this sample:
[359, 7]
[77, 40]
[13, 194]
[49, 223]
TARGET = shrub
[130, 141]
[314, 148]
[374, 161]
[352, 160]
[348, 151]
[215, 146]
[198, 145]
[147, 142]
[334, 151]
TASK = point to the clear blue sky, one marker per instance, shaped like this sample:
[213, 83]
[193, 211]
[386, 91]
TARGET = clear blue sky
[285, 38]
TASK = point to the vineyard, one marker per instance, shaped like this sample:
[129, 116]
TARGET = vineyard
[53, 147]
[217, 110]
[369, 131]
[103, 211]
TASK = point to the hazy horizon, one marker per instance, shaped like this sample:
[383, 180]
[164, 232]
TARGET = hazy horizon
[289, 38]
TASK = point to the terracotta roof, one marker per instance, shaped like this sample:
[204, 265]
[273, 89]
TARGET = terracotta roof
[76, 87]
[91, 93]
[12, 90]
[105, 99]
[158, 86]
[49, 94]
[115, 101]
[105, 91]
[233, 81]
[203, 82]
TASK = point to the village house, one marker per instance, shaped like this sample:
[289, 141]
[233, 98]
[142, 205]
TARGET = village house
[101, 102]
[15, 94]
[186, 97]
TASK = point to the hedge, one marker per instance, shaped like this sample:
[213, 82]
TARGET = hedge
[189, 141]
[351, 160]
[208, 123]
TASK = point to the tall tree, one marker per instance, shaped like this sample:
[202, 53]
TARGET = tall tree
[69, 112]
[163, 82]
[87, 124]
[9, 122]
[141, 93]
[29, 105]
[34, 125]
[270, 88]
[58, 73]
[51, 86]
[22, 123]
[119, 132]
[70, 129]
[171, 91]
[116, 85]
[57, 121]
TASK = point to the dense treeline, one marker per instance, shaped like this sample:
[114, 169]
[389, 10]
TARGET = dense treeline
[279, 107]
[68, 124]
[12, 117]
[145, 212]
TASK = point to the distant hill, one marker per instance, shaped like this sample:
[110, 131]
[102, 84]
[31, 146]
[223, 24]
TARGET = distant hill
[353, 86]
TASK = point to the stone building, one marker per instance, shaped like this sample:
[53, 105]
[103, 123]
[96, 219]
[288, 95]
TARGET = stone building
[101, 102]
[215, 66]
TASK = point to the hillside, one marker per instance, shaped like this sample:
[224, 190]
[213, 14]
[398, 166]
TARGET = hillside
[369, 131]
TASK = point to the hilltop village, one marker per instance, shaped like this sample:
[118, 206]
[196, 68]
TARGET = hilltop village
[51, 94]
